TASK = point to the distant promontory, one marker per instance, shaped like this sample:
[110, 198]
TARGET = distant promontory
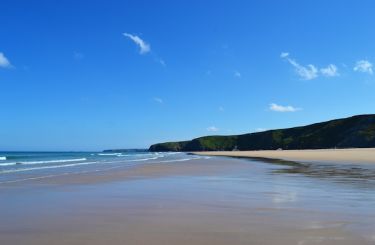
[353, 132]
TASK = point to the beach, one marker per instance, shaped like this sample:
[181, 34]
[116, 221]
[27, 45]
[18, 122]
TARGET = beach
[348, 156]
[214, 200]
[187, 122]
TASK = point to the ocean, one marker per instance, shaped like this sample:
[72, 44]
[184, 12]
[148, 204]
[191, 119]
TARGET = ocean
[20, 166]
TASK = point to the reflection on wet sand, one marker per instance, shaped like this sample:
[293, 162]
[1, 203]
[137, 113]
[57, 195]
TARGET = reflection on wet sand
[363, 175]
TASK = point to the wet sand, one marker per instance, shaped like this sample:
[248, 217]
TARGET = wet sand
[351, 156]
[214, 201]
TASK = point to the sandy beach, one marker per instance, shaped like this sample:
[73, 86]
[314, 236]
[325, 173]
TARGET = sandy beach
[350, 156]
[205, 201]
[187, 122]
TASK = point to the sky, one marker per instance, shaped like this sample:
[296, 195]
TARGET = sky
[94, 75]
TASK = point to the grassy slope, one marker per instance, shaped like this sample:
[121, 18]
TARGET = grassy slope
[357, 131]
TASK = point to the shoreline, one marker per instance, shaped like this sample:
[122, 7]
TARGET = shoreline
[97, 176]
[343, 156]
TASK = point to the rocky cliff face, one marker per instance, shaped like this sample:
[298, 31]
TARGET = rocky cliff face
[352, 132]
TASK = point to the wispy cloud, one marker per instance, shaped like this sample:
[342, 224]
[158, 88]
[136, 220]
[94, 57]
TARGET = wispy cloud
[237, 74]
[158, 100]
[284, 55]
[4, 62]
[143, 46]
[280, 108]
[162, 62]
[212, 129]
[330, 71]
[78, 55]
[310, 72]
[364, 66]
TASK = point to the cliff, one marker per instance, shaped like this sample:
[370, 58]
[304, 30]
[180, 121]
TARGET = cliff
[353, 132]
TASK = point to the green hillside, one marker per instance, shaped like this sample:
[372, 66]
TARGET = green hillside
[352, 132]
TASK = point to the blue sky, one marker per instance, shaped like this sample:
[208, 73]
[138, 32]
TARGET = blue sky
[119, 74]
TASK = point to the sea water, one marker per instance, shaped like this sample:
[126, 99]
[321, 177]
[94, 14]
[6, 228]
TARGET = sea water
[18, 166]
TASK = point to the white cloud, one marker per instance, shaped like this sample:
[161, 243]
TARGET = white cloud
[284, 54]
[144, 47]
[310, 72]
[363, 66]
[330, 71]
[212, 129]
[158, 100]
[280, 108]
[4, 62]
[237, 74]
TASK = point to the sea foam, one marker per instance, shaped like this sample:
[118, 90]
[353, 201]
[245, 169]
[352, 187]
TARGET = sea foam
[109, 154]
[47, 167]
[43, 162]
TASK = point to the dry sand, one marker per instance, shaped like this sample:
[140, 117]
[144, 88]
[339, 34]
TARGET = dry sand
[350, 156]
